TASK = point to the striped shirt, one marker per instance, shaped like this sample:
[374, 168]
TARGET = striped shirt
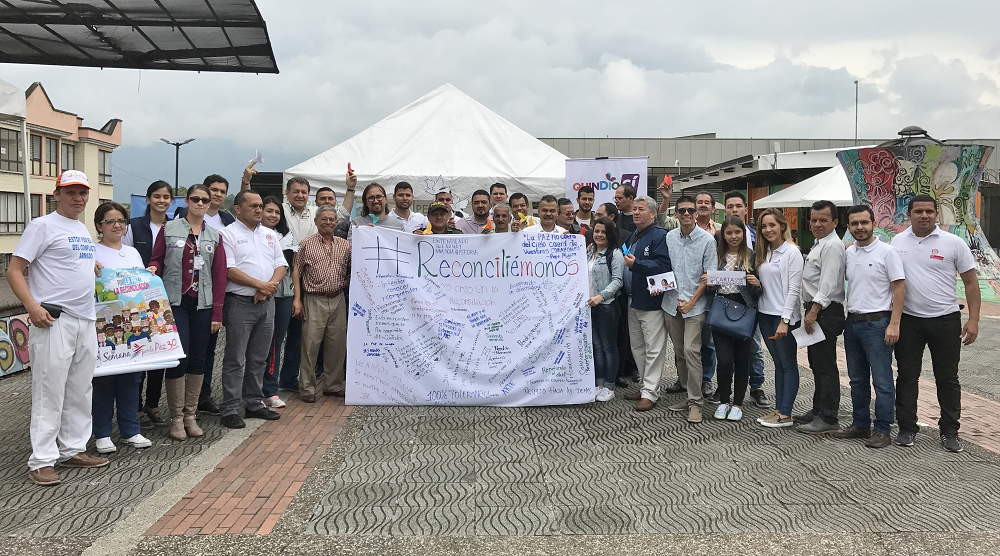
[324, 266]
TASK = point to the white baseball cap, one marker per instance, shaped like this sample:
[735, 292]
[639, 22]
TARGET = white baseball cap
[73, 177]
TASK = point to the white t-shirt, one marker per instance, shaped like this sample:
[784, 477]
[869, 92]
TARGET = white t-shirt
[416, 221]
[871, 270]
[60, 254]
[127, 238]
[128, 257]
[932, 264]
[537, 228]
[214, 221]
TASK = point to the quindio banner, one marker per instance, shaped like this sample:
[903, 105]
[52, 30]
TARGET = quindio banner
[605, 175]
[135, 326]
[496, 319]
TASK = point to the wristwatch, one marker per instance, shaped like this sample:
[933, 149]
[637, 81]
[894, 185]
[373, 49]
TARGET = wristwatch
[784, 320]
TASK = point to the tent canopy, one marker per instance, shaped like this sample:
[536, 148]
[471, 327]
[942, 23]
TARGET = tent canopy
[12, 102]
[830, 185]
[443, 140]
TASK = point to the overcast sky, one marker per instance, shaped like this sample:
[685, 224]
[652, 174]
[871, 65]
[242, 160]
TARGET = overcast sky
[556, 69]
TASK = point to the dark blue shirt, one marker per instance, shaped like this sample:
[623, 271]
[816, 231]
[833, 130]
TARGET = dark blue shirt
[651, 258]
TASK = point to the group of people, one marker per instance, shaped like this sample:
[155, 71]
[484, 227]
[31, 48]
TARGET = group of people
[275, 275]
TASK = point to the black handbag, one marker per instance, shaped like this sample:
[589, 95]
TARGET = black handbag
[732, 318]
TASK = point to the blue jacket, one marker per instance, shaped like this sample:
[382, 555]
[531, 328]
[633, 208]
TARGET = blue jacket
[651, 258]
[142, 237]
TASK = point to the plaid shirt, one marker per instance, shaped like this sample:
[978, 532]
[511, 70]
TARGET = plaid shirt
[323, 267]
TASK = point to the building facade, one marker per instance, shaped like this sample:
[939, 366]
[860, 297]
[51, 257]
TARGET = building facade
[58, 141]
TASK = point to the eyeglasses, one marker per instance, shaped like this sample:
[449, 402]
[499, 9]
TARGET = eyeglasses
[201, 200]
[686, 211]
[119, 221]
[377, 198]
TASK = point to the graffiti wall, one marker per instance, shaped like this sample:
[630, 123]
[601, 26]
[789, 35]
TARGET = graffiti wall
[886, 178]
[13, 344]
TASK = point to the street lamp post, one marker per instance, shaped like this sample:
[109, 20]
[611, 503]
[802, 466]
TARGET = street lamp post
[855, 112]
[177, 162]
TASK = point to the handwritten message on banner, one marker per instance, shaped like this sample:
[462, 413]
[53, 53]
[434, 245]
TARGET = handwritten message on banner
[135, 327]
[497, 319]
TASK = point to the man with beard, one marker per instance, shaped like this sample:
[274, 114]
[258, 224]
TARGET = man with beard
[402, 196]
[374, 211]
[479, 221]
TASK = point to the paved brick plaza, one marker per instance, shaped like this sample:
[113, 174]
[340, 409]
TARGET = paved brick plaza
[595, 479]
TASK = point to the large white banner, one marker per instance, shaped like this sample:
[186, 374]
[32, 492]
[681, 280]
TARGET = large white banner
[495, 319]
[605, 175]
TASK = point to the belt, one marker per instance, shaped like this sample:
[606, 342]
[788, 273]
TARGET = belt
[869, 316]
[250, 297]
[325, 294]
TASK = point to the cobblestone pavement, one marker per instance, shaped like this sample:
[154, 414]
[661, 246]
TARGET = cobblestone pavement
[593, 479]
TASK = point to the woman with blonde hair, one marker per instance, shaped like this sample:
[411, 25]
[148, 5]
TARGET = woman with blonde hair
[779, 267]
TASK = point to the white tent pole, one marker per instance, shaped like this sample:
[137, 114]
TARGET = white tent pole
[26, 145]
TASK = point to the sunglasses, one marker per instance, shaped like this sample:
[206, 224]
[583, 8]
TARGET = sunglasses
[201, 200]
[120, 221]
[686, 211]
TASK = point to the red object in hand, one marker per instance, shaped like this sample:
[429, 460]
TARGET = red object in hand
[349, 171]
[666, 179]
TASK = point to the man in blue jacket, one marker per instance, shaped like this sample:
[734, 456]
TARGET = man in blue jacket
[646, 256]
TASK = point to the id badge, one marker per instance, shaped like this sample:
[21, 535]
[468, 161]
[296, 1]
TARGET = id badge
[199, 262]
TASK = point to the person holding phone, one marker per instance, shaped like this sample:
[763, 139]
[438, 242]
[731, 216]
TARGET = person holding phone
[779, 266]
[62, 344]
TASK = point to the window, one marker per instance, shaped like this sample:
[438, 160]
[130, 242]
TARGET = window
[104, 166]
[68, 157]
[51, 157]
[11, 158]
[50, 204]
[36, 205]
[11, 212]
[36, 155]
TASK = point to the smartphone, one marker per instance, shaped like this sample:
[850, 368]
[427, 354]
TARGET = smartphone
[53, 310]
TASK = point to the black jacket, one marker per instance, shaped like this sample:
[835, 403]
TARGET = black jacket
[227, 218]
[142, 237]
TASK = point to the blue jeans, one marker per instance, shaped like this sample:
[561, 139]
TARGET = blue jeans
[288, 377]
[757, 360]
[121, 392]
[282, 317]
[869, 361]
[604, 319]
[194, 326]
[707, 353]
[786, 365]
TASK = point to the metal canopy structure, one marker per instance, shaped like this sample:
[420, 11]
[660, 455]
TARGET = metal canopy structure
[193, 35]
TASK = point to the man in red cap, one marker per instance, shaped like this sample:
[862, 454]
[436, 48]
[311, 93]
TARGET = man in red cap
[59, 297]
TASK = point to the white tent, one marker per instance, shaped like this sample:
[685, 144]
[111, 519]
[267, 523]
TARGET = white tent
[830, 185]
[443, 140]
[13, 107]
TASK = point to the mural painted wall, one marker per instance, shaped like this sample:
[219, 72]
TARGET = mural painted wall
[886, 178]
[13, 344]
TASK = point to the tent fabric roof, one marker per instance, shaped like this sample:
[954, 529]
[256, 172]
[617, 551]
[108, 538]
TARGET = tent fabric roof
[196, 35]
[445, 139]
[831, 185]
[12, 102]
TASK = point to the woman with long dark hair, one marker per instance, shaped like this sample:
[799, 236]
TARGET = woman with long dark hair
[141, 234]
[274, 218]
[191, 259]
[605, 264]
[732, 353]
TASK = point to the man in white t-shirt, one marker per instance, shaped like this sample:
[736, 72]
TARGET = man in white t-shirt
[59, 256]
[547, 209]
[402, 196]
[931, 318]
[875, 292]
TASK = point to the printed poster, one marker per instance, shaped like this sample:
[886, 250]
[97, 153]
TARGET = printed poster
[495, 319]
[605, 175]
[135, 326]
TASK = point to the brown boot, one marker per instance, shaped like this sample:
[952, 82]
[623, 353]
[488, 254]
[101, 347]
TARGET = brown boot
[192, 391]
[175, 401]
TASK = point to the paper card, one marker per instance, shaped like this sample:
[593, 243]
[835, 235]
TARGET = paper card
[727, 278]
[805, 339]
[660, 283]
[258, 158]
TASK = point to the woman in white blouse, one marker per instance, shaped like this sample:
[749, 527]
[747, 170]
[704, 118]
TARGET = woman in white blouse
[779, 265]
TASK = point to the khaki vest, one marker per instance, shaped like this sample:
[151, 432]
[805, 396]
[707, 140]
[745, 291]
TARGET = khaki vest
[208, 244]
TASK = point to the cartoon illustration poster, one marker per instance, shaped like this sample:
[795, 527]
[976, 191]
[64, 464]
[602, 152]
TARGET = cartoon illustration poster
[135, 326]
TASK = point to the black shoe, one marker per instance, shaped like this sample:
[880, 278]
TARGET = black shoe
[878, 440]
[622, 382]
[145, 423]
[951, 442]
[706, 389]
[209, 406]
[760, 398]
[804, 419]
[905, 438]
[233, 421]
[714, 398]
[676, 388]
[263, 413]
[852, 432]
[153, 417]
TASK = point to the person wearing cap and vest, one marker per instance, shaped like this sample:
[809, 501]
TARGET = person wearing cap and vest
[438, 215]
[59, 297]
[191, 259]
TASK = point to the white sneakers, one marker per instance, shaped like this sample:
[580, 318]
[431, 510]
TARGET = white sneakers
[105, 446]
[138, 441]
[274, 401]
[605, 394]
[728, 412]
[722, 411]
[735, 414]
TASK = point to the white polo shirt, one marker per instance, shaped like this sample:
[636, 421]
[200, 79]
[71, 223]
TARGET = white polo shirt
[416, 221]
[255, 252]
[537, 229]
[871, 270]
[932, 265]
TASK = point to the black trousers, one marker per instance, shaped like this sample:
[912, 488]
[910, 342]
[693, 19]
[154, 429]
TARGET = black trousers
[732, 356]
[626, 363]
[943, 336]
[823, 362]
